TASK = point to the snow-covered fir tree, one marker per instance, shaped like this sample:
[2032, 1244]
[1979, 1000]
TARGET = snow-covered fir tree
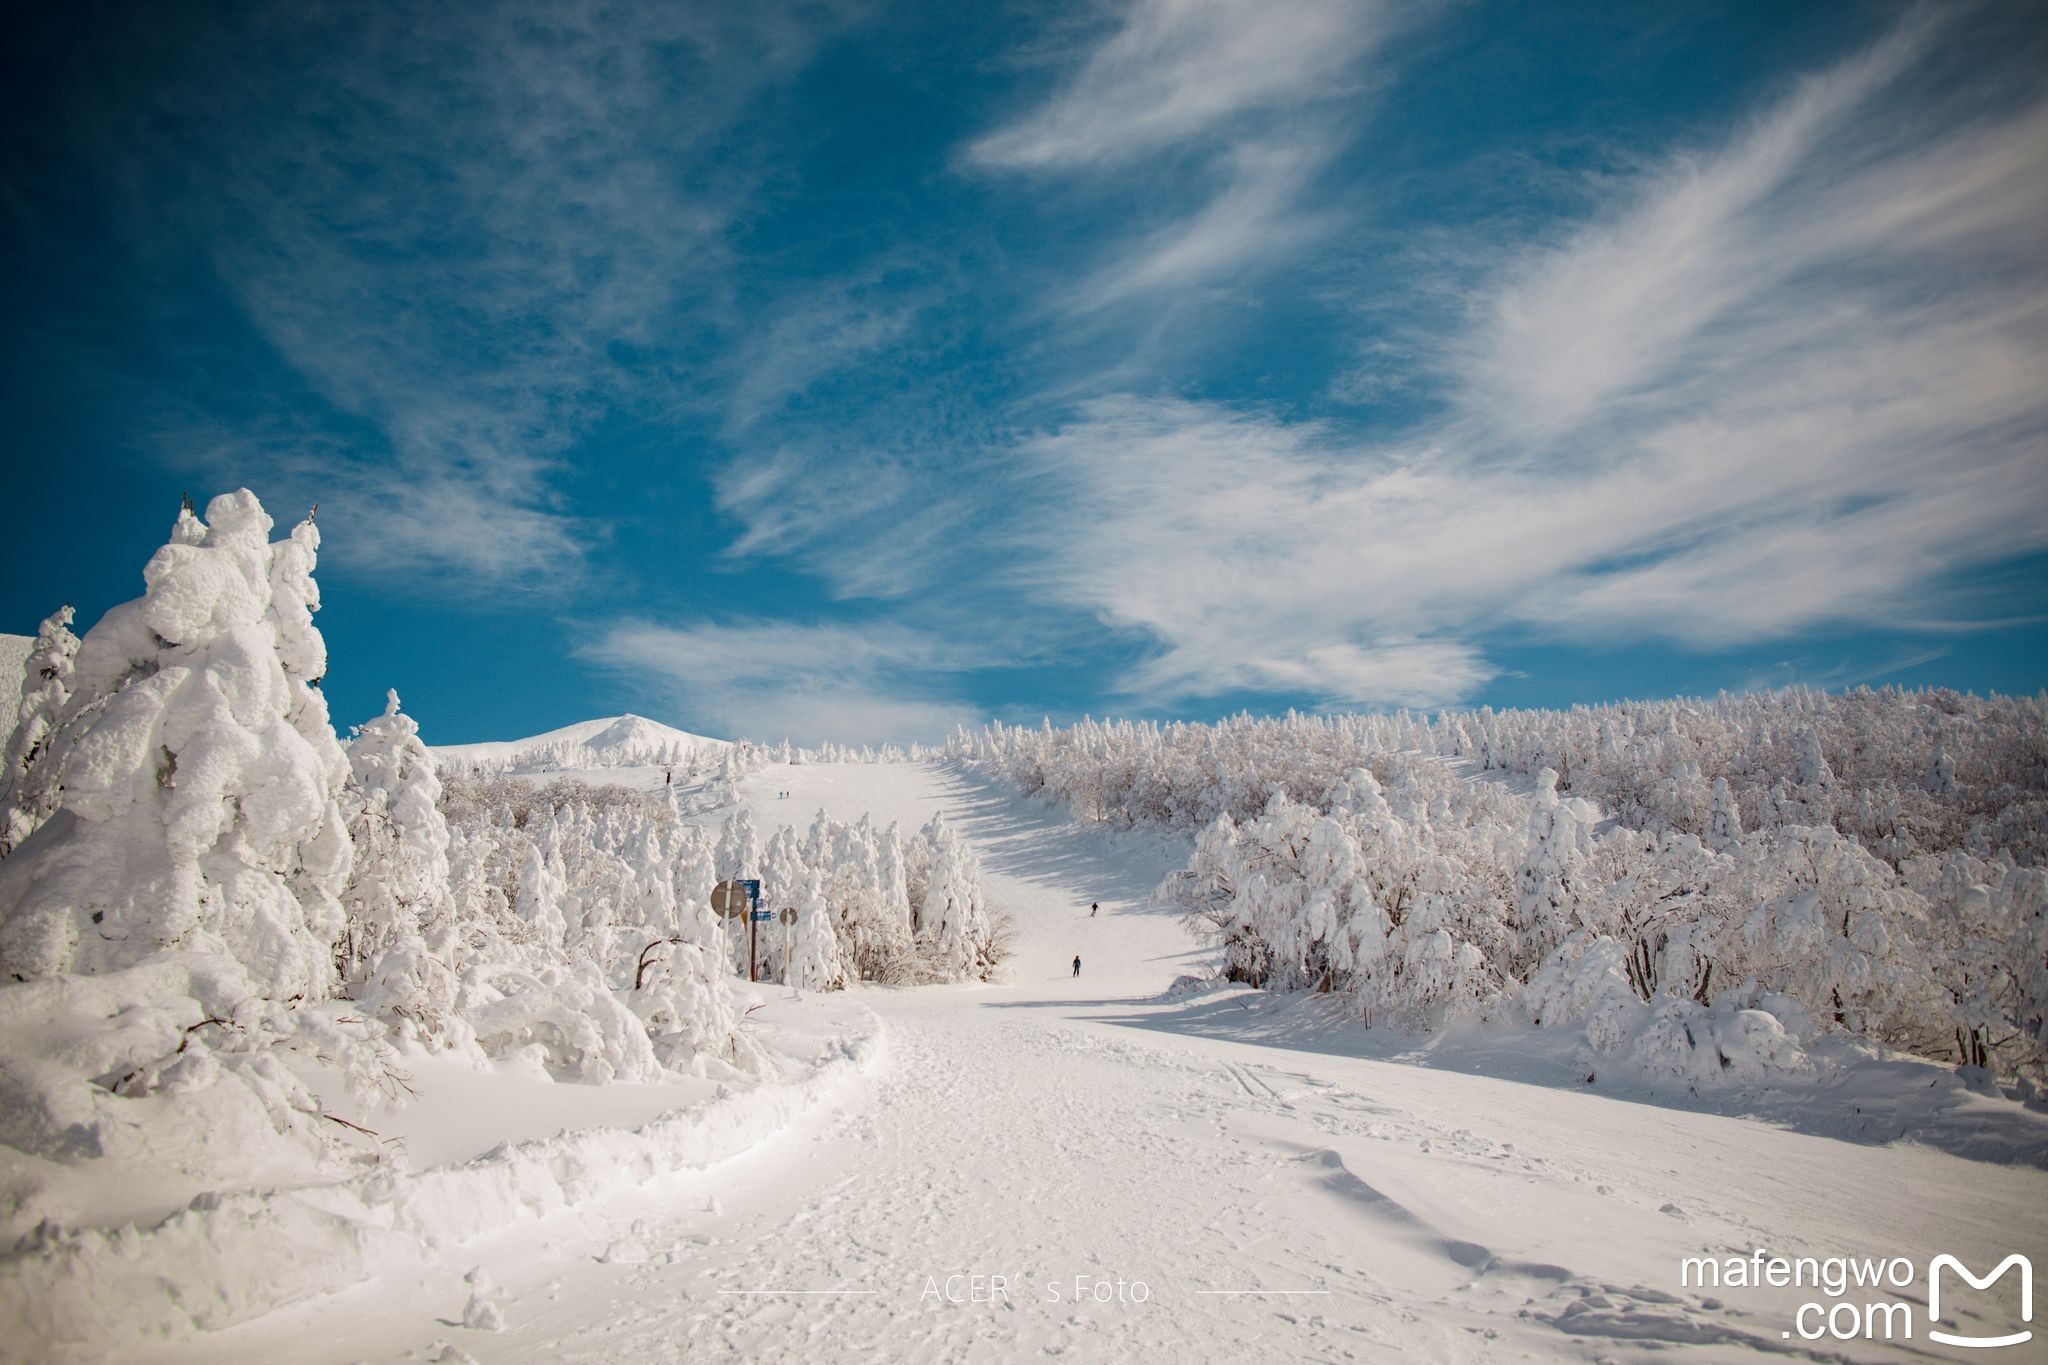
[398, 944]
[199, 776]
[955, 922]
[28, 788]
[817, 958]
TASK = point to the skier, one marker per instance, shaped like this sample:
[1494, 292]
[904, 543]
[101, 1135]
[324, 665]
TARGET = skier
[668, 779]
[1077, 964]
[1092, 908]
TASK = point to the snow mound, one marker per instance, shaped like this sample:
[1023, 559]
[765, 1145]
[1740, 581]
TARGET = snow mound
[82, 1292]
[609, 742]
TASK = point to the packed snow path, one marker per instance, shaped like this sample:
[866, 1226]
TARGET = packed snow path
[1211, 1191]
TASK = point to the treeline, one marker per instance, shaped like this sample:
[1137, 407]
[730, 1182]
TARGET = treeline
[1704, 885]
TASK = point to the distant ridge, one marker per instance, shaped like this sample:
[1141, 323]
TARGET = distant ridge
[627, 741]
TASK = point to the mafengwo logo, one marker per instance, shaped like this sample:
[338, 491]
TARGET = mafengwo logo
[1939, 1263]
[1853, 1317]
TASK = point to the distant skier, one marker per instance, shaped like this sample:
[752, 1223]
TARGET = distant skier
[1077, 964]
[1092, 908]
[668, 779]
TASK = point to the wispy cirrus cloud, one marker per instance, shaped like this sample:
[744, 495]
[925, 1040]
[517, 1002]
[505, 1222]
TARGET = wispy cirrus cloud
[1627, 301]
[818, 333]
[1246, 548]
[870, 522]
[1255, 218]
[1179, 70]
[1242, 99]
[774, 679]
[1216, 117]
[473, 233]
[1790, 381]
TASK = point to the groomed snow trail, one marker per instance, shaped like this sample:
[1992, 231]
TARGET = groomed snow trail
[1077, 1135]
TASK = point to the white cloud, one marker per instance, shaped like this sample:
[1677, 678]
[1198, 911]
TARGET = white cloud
[1619, 304]
[767, 680]
[449, 243]
[1253, 220]
[1175, 70]
[1254, 551]
[815, 336]
[874, 524]
[1246, 89]
[1842, 674]
[1792, 382]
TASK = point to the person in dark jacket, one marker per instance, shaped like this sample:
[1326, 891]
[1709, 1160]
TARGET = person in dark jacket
[1077, 964]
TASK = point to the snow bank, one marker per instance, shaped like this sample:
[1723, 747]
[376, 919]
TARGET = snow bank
[81, 1293]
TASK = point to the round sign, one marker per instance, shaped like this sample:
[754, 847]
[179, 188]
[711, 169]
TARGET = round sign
[731, 900]
[788, 914]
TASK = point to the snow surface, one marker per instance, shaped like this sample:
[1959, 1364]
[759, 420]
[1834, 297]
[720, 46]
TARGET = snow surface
[13, 667]
[1284, 1184]
[598, 744]
[474, 1155]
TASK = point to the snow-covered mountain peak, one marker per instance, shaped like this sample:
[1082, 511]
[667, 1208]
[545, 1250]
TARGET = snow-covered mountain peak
[636, 734]
[608, 742]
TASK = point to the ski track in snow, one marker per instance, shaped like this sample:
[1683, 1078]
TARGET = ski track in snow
[1050, 1127]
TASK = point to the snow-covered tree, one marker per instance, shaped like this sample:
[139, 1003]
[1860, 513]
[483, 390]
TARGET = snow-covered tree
[398, 944]
[28, 790]
[1724, 821]
[199, 777]
[956, 924]
[817, 960]
[890, 862]
[1715, 865]
[739, 849]
[586, 938]
[1941, 771]
[1546, 889]
[542, 887]
[783, 881]
[1834, 927]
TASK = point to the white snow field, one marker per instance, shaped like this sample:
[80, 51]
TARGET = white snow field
[1088, 1168]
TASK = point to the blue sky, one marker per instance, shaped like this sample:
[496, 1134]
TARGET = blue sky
[850, 370]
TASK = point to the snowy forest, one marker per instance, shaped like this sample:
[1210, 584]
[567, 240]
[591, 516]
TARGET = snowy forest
[1706, 887]
[203, 887]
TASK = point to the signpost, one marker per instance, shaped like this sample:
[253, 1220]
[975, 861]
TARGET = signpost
[741, 896]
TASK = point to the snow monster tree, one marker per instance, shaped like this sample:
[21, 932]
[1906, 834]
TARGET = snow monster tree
[198, 774]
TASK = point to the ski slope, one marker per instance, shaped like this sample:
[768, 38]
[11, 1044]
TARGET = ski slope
[1219, 1176]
